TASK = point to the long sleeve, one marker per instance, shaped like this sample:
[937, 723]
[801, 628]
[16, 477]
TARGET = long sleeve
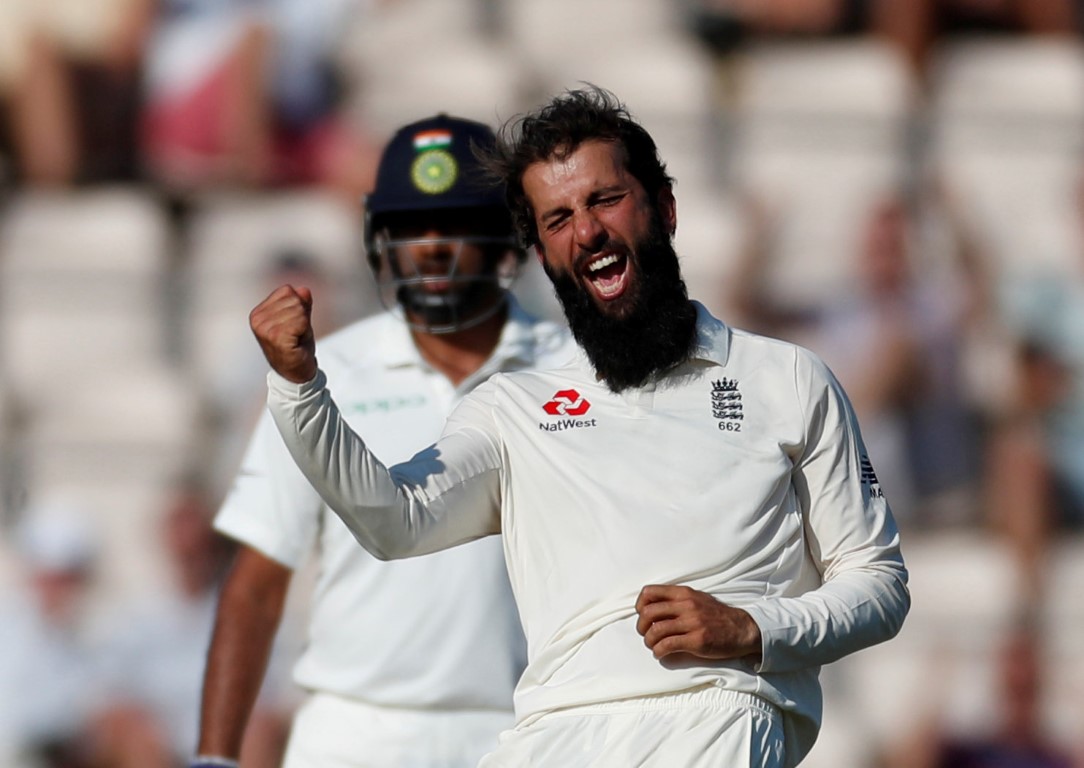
[445, 495]
[851, 535]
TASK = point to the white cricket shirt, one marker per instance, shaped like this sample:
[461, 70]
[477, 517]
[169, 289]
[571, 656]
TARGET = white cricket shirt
[740, 473]
[434, 632]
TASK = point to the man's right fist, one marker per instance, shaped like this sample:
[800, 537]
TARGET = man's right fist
[283, 325]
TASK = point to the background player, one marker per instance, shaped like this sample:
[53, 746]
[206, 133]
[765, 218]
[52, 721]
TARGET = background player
[410, 662]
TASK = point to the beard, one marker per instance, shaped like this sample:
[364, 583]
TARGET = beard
[654, 329]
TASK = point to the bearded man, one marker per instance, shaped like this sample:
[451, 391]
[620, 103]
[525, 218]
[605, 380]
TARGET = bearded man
[691, 524]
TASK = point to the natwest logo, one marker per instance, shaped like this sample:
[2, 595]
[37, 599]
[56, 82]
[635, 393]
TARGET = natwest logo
[567, 402]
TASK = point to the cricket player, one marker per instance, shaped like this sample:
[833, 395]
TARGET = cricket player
[690, 521]
[409, 663]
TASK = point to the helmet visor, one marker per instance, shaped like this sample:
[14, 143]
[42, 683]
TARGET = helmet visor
[444, 284]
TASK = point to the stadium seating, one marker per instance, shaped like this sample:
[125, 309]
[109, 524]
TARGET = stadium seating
[965, 595]
[820, 132]
[116, 442]
[1006, 132]
[228, 265]
[82, 286]
[454, 67]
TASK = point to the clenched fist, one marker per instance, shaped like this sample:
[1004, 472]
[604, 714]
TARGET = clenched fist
[678, 621]
[283, 325]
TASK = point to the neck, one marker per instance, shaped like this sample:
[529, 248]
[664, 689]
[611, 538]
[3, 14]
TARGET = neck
[459, 354]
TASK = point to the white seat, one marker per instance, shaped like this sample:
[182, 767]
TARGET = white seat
[115, 444]
[8, 461]
[843, 84]
[819, 132]
[125, 513]
[839, 742]
[817, 203]
[1007, 130]
[135, 422]
[1040, 78]
[112, 230]
[228, 266]
[709, 239]
[667, 83]
[475, 79]
[82, 285]
[554, 35]
[1063, 624]
[453, 66]
[964, 591]
[384, 31]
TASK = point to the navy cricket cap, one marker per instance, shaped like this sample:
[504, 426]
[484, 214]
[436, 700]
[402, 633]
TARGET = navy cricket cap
[431, 165]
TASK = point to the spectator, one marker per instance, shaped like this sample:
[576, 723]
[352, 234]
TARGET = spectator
[917, 26]
[156, 654]
[69, 84]
[870, 339]
[1024, 491]
[48, 661]
[725, 25]
[1017, 739]
[895, 337]
[246, 92]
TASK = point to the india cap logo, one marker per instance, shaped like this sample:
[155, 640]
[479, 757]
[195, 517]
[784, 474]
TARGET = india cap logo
[434, 170]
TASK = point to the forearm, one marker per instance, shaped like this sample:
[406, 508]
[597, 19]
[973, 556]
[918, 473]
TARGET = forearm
[428, 504]
[855, 610]
[245, 626]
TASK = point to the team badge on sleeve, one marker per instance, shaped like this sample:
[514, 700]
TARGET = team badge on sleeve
[869, 479]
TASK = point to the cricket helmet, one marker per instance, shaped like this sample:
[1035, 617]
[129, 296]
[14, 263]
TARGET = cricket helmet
[432, 193]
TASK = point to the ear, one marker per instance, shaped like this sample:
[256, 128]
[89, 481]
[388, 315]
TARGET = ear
[538, 252]
[668, 209]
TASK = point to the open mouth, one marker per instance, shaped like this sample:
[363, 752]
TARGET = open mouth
[608, 275]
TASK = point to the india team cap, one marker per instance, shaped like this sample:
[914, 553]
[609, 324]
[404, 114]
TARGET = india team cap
[430, 165]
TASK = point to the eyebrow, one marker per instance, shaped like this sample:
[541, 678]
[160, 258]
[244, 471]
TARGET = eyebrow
[592, 197]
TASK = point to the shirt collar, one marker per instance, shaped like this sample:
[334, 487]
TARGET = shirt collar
[712, 340]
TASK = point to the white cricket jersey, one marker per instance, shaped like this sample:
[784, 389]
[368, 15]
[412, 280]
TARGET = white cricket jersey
[435, 632]
[740, 473]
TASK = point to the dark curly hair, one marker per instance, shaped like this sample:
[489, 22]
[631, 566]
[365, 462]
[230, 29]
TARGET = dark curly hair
[555, 131]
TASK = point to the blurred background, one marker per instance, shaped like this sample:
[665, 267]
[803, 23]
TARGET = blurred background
[897, 184]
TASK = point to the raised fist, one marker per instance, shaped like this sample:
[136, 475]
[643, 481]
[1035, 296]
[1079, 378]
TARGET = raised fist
[283, 325]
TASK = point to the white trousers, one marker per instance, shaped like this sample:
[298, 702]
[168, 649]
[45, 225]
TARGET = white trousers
[703, 728]
[335, 732]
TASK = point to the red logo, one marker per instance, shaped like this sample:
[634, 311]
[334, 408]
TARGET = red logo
[567, 402]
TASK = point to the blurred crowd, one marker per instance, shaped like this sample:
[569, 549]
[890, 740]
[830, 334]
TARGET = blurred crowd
[896, 185]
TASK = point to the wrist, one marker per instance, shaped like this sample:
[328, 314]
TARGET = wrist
[213, 761]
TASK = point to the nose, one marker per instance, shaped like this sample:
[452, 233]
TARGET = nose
[431, 247]
[590, 234]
